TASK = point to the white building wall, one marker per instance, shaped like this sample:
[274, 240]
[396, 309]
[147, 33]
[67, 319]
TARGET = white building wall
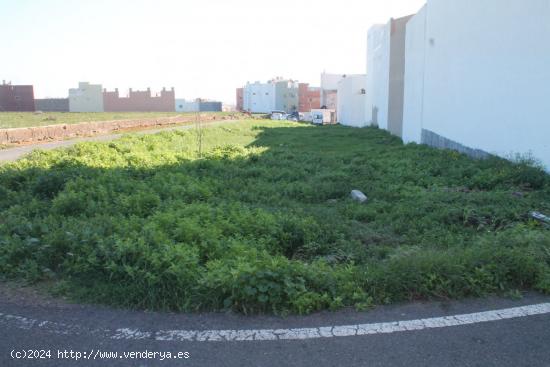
[378, 74]
[352, 100]
[86, 98]
[414, 77]
[329, 82]
[183, 105]
[487, 75]
[259, 97]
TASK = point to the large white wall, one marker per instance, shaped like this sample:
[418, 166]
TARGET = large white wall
[487, 75]
[378, 74]
[352, 100]
[259, 97]
[414, 77]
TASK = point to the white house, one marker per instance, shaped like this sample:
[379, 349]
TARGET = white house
[86, 98]
[477, 77]
[352, 100]
[386, 75]
[259, 97]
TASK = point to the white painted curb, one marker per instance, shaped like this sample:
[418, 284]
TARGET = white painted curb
[280, 334]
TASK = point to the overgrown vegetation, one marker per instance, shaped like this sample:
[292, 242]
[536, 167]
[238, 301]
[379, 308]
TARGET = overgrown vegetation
[263, 221]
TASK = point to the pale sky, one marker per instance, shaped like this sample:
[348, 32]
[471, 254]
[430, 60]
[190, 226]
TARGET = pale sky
[202, 48]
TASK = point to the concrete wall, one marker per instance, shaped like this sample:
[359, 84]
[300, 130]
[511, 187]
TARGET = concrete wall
[414, 77]
[259, 97]
[52, 104]
[378, 75]
[397, 75]
[352, 100]
[16, 97]
[140, 101]
[183, 105]
[487, 75]
[86, 98]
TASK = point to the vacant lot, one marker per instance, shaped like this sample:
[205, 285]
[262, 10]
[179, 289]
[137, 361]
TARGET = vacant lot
[262, 222]
[28, 119]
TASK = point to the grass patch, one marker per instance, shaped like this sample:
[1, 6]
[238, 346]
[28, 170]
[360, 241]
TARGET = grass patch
[263, 221]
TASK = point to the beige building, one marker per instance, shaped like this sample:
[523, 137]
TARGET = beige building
[86, 98]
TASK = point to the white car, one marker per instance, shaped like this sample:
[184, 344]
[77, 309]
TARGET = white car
[278, 115]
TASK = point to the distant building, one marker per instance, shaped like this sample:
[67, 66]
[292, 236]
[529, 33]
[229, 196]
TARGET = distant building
[86, 98]
[352, 100]
[259, 97]
[183, 105]
[331, 100]
[198, 105]
[309, 98]
[286, 95]
[52, 104]
[386, 75]
[16, 97]
[240, 99]
[210, 106]
[276, 95]
[140, 101]
[329, 90]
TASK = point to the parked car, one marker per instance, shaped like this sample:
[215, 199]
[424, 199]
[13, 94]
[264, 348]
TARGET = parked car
[278, 115]
[294, 116]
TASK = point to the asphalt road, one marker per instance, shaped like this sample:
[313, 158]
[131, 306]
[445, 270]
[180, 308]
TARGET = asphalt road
[33, 323]
[14, 153]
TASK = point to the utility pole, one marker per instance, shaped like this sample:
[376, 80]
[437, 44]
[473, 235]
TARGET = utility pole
[198, 127]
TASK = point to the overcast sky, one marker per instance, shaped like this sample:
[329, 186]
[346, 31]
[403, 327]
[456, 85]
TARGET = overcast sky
[203, 48]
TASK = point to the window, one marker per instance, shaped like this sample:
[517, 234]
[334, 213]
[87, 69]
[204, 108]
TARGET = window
[363, 91]
[17, 98]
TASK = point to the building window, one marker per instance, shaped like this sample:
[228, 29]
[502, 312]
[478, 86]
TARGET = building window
[363, 91]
